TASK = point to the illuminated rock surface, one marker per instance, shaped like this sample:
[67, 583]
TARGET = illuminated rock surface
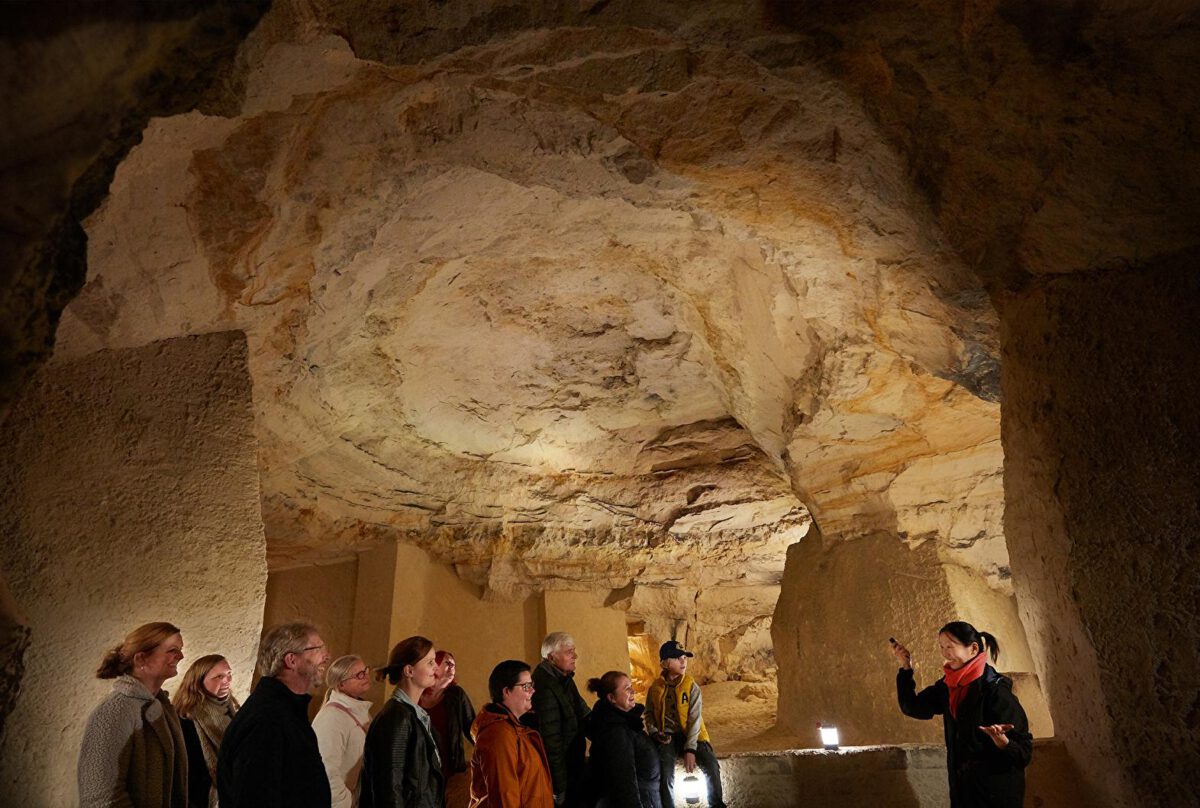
[579, 308]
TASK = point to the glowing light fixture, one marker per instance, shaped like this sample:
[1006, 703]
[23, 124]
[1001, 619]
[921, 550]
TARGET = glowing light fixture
[691, 787]
[829, 736]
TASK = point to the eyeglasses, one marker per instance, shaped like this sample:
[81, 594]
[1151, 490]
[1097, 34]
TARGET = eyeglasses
[526, 686]
[361, 675]
[309, 648]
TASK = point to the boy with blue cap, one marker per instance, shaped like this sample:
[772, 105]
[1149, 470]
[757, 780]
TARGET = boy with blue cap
[673, 718]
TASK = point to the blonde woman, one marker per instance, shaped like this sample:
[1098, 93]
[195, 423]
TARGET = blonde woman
[341, 726]
[205, 707]
[133, 750]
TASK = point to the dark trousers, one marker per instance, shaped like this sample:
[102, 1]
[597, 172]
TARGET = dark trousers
[706, 761]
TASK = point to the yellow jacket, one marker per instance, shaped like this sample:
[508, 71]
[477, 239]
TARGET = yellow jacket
[687, 704]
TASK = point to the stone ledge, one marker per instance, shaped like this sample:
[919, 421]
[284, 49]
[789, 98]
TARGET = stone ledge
[901, 776]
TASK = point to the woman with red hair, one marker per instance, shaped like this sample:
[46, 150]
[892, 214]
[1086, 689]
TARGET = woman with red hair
[452, 714]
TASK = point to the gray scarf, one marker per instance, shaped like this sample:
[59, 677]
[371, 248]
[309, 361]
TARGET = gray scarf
[212, 717]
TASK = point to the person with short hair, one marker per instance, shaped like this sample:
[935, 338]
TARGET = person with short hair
[133, 752]
[558, 714]
[623, 763]
[205, 707]
[509, 768]
[269, 758]
[452, 714]
[401, 766]
[341, 726]
[988, 743]
[674, 719]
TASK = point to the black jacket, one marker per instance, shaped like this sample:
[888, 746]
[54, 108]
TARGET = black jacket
[400, 765]
[558, 711]
[460, 715]
[981, 775]
[269, 756]
[623, 767]
[199, 780]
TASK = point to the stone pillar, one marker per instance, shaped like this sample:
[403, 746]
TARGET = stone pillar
[128, 493]
[1102, 479]
[842, 600]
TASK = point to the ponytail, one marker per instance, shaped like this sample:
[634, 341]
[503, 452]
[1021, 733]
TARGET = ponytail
[991, 644]
[606, 685]
[113, 666]
[142, 640]
[965, 633]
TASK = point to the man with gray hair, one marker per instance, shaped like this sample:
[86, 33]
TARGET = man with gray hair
[269, 756]
[558, 711]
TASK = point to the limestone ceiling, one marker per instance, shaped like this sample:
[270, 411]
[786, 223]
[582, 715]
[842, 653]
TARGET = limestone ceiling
[580, 304]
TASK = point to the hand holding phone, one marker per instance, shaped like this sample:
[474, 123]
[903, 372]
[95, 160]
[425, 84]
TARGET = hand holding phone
[902, 654]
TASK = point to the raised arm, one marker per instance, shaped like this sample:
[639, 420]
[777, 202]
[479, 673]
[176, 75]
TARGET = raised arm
[931, 701]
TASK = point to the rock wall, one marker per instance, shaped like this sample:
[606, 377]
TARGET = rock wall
[78, 85]
[601, 635]
[1101, 426]
[128, 493]
[842, 600]
[323, 595]
[394, 591]
[14, 640]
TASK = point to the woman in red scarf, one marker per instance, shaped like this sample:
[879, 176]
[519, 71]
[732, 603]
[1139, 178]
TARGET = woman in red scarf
[988, 744]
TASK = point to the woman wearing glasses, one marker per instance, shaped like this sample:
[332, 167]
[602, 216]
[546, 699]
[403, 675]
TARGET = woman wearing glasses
[509, 766]
[341, 726]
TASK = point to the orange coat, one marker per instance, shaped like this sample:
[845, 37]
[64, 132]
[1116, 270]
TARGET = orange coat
[509, 768]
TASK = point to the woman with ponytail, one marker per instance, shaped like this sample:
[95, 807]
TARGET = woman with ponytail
[133, 752]
[401, 765]
[623, 765]
[341, 726]
[988, 744]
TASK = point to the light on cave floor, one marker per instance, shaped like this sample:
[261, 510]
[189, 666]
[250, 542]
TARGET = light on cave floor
[829, 736]
[693, 788]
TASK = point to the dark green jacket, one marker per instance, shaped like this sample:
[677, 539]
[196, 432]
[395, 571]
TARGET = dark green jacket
[559, 712]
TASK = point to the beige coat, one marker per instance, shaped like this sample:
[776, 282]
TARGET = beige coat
[133, 754]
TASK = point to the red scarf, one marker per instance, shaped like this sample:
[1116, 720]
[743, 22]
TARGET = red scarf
[957, 681]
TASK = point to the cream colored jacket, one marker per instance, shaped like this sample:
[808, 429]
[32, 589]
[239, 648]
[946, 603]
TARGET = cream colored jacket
[341, 743]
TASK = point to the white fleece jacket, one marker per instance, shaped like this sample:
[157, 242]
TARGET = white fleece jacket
[341, 743]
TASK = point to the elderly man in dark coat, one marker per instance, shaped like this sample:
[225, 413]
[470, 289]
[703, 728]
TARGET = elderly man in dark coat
[558, 713]
[269, 757]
